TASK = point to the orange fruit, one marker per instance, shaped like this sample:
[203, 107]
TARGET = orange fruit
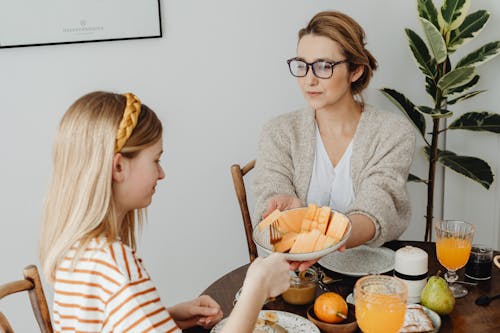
[330, 308]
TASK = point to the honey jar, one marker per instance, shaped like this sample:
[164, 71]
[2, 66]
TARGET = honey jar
[302, 288]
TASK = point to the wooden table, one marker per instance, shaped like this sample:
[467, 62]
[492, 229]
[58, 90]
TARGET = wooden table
[466, 317]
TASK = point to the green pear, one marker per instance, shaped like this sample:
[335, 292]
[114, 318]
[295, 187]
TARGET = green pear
[437, 296]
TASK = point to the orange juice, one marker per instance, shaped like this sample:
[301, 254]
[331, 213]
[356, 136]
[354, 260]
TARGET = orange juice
[378, 313]
[453, 252]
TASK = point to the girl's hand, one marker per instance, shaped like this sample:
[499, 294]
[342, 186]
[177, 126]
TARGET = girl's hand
[282, 202]
[270, 275]
[203, 311]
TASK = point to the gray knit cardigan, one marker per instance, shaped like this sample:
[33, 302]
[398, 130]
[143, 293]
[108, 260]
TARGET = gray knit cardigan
[383, 148]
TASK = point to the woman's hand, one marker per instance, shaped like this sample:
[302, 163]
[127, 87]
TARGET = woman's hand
[203, 311]
[282, 202]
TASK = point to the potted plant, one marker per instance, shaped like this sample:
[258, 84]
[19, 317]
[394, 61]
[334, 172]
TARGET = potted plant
[448, 83]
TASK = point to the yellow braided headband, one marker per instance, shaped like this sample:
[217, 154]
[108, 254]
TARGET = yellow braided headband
[129, 120]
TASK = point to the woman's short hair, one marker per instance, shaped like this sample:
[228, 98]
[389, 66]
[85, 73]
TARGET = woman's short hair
[344, 30]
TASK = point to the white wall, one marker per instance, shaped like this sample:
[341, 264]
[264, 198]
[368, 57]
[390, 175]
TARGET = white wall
[215, 77]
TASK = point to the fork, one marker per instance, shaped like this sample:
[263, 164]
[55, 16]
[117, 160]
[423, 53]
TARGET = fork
[274, 233]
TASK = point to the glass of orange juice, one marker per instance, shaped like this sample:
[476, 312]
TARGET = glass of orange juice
[380, 303]
[453, 245]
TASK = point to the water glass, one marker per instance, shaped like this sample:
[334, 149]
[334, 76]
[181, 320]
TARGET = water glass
[478, 266]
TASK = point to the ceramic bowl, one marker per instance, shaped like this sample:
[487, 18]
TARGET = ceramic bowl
[348, 325]
[261, 239]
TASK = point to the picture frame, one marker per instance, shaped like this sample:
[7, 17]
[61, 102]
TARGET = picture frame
[50, 22]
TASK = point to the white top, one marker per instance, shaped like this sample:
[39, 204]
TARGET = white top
[329, 185]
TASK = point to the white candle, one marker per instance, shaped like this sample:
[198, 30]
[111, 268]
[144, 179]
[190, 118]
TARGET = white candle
[411, 267]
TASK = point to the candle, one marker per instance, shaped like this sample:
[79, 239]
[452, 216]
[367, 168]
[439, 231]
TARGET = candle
[411, 267]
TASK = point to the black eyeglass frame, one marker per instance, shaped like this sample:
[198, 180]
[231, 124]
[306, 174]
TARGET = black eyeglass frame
[310, 65]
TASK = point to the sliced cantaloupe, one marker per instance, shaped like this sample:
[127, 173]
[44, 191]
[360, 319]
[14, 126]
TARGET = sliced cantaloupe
[286, 242]
[291, 220]
[320, 243]
[269, 219]
[337, 227]
[330, 242]
[323, 218]
[305, 242]
[306, 225]
[311, 212]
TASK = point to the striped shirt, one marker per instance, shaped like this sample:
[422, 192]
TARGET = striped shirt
[108, 291]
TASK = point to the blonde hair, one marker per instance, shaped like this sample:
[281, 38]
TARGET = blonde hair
[79, 203]
[344, 30]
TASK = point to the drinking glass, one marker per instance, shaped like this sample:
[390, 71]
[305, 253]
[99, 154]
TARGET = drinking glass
[380, 303]
[453, 245]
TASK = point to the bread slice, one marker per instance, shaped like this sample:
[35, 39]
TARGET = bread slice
[416, 320]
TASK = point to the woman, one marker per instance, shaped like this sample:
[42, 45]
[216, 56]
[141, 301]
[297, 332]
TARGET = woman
[339, 151]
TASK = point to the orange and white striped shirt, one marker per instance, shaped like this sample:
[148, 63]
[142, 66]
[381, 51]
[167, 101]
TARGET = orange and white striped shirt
[108, 291]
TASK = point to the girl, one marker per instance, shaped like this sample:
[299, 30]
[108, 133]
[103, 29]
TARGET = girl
[105, 170]
[337, 152]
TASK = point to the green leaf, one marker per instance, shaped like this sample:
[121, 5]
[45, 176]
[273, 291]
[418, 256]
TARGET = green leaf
[413, 178]
[464, 87]
[478, 121]
[434, 113]
[421, 54]
[431, 88]
[465, 96]
[428, 11]
[453, 13]
[408, 108]
[481, 55]
[471, 167]
[435, 40]
[471, 26]
[456, 78]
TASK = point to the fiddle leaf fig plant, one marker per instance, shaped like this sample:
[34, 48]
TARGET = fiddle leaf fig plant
[445, 30]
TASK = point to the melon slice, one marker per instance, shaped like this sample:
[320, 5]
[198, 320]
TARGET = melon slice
[311, 212]
[305, 242]
[337, 227]
[286, 242]
[320, 243]
[269, 219]
[323, 218]
[291, 220]
[306, 225]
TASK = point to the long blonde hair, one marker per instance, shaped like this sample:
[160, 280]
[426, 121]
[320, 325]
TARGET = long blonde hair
[79, 204]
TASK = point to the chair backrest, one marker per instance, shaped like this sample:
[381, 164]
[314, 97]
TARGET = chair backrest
[33, 285]
[239, 186]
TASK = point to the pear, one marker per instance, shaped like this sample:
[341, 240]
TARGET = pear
[437, 296]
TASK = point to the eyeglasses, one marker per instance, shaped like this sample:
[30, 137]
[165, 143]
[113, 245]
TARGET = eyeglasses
[321, 68]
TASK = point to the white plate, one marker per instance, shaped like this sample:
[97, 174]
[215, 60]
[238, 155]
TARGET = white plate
[436, 320]
[291, 322]
[261, 239]
[360, 261]
[433, 316]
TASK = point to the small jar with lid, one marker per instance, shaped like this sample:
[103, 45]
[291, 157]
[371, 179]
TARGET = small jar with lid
[302, 288]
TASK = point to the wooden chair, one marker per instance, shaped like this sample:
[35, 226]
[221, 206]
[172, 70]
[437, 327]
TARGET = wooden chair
[239, 186]
[33, 285]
